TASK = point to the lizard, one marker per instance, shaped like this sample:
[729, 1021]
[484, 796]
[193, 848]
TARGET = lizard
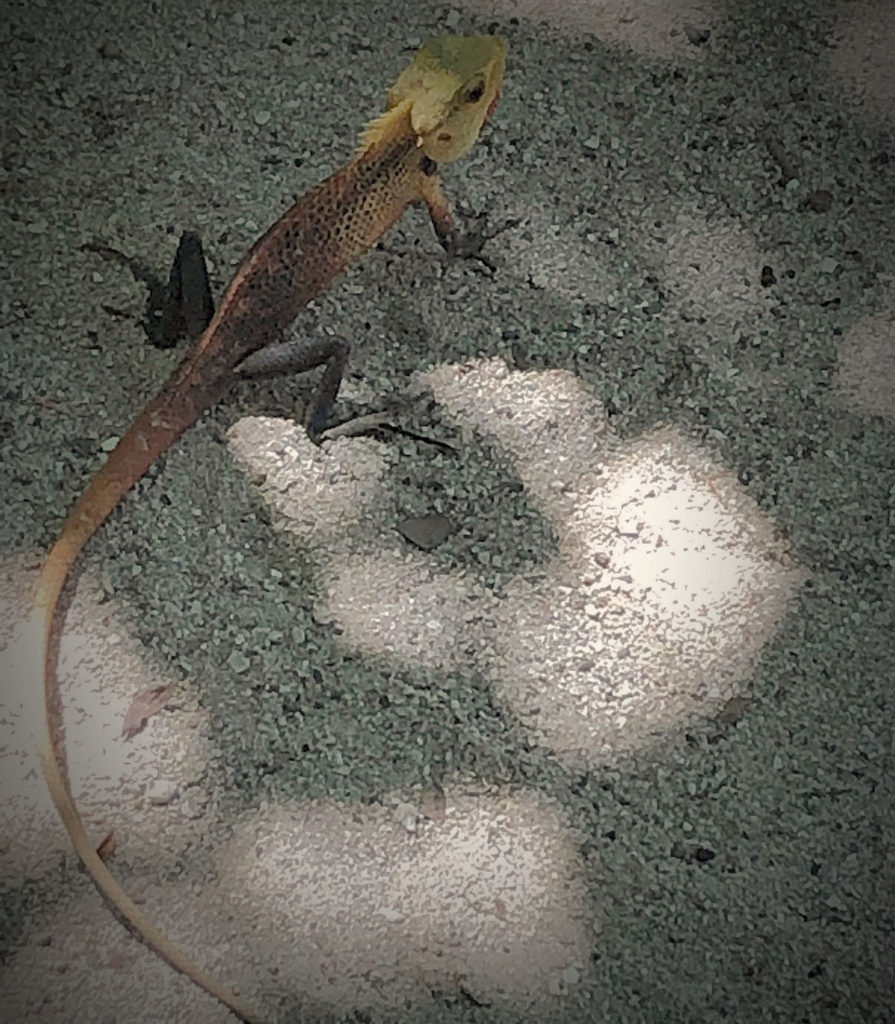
[435, 112]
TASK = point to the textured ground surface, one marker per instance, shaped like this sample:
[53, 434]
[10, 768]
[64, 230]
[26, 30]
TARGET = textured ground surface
[620, 747]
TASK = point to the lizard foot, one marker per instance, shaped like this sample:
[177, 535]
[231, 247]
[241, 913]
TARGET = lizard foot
[468, 242]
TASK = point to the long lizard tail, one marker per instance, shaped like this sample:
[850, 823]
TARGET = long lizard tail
[172, 412]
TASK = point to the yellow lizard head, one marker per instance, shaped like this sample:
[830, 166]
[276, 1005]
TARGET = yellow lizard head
[451, 88]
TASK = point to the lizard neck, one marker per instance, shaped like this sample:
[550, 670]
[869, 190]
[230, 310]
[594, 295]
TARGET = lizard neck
[392, 126]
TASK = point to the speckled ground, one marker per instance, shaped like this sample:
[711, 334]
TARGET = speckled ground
[619, 748]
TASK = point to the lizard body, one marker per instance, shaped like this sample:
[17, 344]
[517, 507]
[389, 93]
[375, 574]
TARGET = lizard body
[436, 110]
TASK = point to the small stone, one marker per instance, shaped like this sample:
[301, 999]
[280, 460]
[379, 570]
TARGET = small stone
[390, 914]
[820, 200]
[238, 662]
[426, 532]
[406, 815]
[628, 525]
[161, 792]
[194, 804]
[732, 711]
[110, 51]
[697, 36]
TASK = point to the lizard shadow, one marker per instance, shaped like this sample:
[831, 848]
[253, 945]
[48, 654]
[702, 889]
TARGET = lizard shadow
[310, 716]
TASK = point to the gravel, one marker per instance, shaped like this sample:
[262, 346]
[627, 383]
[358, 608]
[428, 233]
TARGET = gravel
[574, 700]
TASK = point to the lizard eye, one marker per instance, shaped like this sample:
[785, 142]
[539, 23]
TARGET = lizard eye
[476, 93]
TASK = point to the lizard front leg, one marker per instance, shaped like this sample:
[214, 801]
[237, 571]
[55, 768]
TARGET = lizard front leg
[456, 242]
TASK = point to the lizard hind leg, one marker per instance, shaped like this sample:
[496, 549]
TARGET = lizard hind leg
[296, 356]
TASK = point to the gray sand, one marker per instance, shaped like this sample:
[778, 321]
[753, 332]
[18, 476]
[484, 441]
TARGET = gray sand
[620, 747]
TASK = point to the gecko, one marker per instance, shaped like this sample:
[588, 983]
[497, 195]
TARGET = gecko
[435, 112]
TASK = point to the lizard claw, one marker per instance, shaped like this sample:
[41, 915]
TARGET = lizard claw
[468, 242]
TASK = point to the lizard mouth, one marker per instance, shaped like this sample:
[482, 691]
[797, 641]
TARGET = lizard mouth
[492, 106]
